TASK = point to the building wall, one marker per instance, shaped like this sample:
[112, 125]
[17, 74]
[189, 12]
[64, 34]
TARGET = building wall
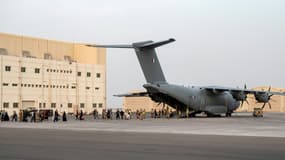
[57, 83]
[138, 103]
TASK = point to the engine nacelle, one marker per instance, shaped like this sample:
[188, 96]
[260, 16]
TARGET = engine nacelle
[262, 97]
[239, 96]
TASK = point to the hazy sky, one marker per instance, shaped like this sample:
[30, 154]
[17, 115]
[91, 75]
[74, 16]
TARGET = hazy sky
[219, 42]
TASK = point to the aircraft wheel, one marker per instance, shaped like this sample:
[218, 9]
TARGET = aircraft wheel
[228, 114]
[192, 115]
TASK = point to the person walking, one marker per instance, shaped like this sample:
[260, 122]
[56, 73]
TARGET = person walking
[14, 116]
[20, 115]
[55, 119]
[64, 119]
[122, 114]
[81, 115]
[95, 114]
[117, 114]
[33, 118]
[155, 113]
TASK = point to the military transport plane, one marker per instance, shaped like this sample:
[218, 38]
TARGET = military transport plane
[212, 100]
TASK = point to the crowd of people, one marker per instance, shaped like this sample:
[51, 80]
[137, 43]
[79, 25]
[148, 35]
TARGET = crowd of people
[32, 116]
[162, 113]
[106, 114]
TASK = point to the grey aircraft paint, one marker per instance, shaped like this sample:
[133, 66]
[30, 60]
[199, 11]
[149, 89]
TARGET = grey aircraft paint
[213, 100]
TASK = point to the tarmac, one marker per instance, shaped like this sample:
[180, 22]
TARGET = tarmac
[240, 124]
[239, 137]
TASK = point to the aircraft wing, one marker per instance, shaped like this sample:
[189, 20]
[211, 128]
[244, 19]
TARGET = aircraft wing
[138, 94]
[217, 89]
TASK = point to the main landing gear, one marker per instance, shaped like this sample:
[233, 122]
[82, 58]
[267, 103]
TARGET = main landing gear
[228, 114]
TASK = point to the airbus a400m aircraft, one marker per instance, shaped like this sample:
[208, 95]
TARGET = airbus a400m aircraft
[212, 100]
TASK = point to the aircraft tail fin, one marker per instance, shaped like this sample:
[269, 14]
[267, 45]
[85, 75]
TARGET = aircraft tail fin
[147, 57]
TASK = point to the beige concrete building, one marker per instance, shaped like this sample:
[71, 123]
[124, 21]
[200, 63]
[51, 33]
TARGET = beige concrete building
[138, 103]
[47, 74]
[277, 102]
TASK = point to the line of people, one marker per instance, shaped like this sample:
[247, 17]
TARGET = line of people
[79, 115]
[119, 114]
[162, 113]
[32, 116]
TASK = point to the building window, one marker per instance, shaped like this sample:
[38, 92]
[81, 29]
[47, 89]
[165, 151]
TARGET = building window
[88, 74]
[69, 105]
[96, 88]
[94, 105]
[15, 105]
[81, 105]
[5, 84]
[8, 68]
[5, 105]
[100, 105]
[44, 105]
[73, 87]
[37, 70]
[98, 75]
[14, 84]
[53, 105]
[40, 105]
[87, 88]
[78, 74]
[23, 69]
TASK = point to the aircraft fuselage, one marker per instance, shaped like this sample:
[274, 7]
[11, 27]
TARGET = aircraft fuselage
[193, 97]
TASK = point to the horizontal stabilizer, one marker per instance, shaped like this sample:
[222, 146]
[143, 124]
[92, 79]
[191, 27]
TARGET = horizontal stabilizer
[140, 45]
[152, 44]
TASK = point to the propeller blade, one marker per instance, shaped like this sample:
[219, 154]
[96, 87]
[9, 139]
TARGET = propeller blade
[244, 86]
[269, 88]
[241, 103]
[263, 105]
[158, 104]
[269, 105]
[246, 101]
